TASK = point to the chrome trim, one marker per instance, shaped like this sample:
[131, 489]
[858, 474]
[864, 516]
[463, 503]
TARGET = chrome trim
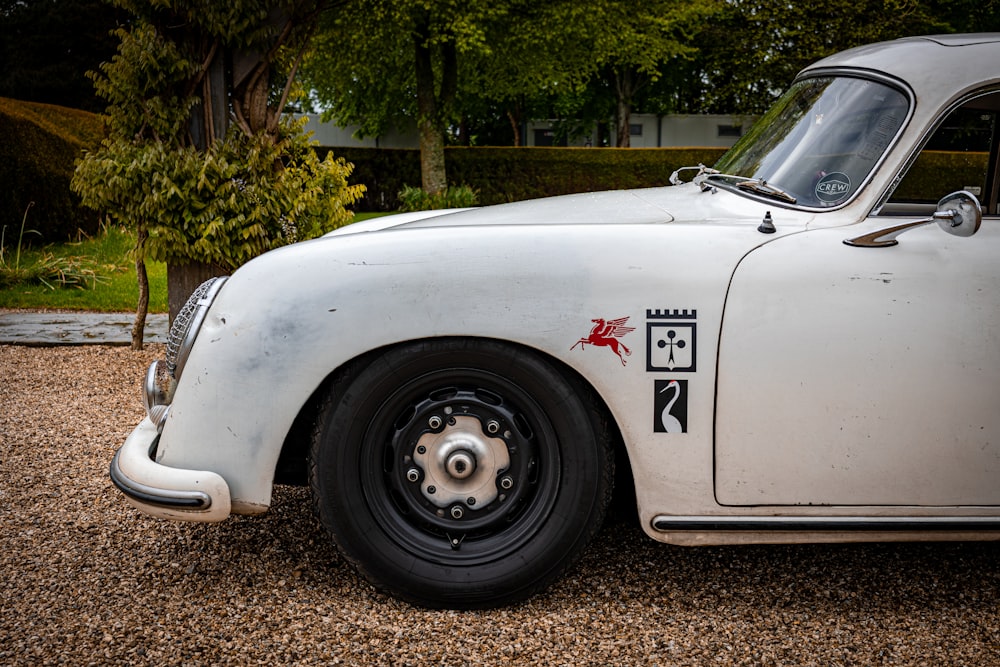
[952, 215]
[667, 524]
[188, 322]
[883, 238]
[185, 500]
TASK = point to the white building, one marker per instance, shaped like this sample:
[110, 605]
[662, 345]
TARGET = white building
[330, 134]
[646, 130]
[651, 131]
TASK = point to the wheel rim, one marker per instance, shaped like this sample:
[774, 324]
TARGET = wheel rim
[460, 466]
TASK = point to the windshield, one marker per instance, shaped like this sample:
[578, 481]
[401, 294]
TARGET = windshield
[818, 144]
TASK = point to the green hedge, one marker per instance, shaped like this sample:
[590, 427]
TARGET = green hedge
[40, 145]
[383, 171]
[936, 174]
[511, 174]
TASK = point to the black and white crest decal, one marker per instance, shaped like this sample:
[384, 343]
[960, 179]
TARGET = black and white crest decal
[671, 341]
[670, 406]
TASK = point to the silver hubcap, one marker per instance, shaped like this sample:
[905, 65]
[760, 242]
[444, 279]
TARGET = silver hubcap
[461, 464]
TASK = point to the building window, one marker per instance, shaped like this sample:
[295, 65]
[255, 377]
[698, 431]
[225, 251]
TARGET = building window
[635, 129]
[547, 137]
[730, 130]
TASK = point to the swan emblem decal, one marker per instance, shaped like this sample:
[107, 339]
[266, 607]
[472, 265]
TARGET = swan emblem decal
[670, 406]
[606, 334]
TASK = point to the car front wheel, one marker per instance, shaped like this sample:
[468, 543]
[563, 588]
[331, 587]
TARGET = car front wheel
[460, 473]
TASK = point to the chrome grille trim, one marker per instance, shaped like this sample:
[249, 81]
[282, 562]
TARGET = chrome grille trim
[188, 321]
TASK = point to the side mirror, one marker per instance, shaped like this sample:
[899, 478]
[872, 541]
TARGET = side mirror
[959, 214]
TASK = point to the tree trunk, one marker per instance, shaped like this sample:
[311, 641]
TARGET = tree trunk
[515, 124]
[183, 280]
[624, 138]
[139, 325]
[623, 115]
[430, 109]
[433, 176]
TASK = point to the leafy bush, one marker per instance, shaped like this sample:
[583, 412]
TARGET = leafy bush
[219, 202]
[415, 199]
[221, 206]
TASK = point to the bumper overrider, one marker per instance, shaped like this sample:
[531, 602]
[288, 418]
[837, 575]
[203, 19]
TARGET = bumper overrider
[162, 491]
[156, 489]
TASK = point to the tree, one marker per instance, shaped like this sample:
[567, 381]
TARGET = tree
[440, 62]
[536, 65]
[969, 15]
[49, 45]
[205, 195]
[633, 42]
[776, 39]
[403, 65]
[585, 61]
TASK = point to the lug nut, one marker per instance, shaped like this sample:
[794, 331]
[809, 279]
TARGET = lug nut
[493, 426]
[506, 482]
[434, 422]
[457, 512]
[413, 475]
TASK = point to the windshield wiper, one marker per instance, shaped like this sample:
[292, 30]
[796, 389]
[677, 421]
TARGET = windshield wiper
[756, 185]
[762, 187]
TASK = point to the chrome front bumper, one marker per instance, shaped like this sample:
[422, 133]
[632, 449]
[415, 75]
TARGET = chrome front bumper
[165, 492]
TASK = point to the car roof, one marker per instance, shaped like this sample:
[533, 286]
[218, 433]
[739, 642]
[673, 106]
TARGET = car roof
[937, 67]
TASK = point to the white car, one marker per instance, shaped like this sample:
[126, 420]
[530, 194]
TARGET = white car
[796, 345]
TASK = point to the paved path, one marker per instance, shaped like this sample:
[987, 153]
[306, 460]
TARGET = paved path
[49, 329]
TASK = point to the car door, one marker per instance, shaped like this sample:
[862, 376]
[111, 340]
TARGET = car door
[855, 376]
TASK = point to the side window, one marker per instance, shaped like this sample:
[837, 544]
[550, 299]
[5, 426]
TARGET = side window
[957, 157]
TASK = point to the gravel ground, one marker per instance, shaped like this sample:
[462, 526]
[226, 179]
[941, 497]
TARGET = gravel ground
[86, 579]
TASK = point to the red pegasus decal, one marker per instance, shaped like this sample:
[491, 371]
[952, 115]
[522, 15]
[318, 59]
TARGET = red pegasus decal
[606, 334]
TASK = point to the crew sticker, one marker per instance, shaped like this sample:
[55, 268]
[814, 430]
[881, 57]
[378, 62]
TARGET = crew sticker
[833, 188]
[670, 406]
[606, 333]
[671, 342]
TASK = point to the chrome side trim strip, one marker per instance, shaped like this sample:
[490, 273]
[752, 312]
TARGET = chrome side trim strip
[668, 524]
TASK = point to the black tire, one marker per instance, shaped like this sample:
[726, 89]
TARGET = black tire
[445, 413]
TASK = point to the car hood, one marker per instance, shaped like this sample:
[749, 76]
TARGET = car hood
[685, 203]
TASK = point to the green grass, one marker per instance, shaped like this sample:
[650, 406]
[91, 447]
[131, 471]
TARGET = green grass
[103, 263]
[358, 217]
[112, 287]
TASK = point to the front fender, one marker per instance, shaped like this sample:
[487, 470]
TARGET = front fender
[285, 321]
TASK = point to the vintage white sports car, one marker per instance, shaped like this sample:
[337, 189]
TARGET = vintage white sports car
[795, 345]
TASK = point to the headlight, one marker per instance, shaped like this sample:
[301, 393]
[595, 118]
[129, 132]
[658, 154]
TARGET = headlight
[157, 392]
[162, 376]
[187, 323]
